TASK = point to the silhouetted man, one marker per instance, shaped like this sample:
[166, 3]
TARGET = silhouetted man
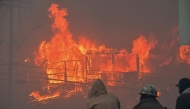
[148, 99]
[183, 101]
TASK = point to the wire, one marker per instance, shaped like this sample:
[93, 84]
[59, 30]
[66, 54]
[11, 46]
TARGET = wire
[116, 81]
[106, 72]
[41, 73]
[113, 72]
[85, 84]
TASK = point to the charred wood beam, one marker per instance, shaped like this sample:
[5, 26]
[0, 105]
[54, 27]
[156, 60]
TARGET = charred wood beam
[43, 62]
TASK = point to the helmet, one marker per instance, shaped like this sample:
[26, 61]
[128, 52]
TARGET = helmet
[149, 90]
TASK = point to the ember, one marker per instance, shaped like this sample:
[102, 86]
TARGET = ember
[27, 60]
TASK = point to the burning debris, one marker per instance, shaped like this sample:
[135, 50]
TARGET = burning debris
[58, 93]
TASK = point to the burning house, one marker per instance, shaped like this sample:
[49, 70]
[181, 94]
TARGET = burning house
[68, 61]
[65, 67]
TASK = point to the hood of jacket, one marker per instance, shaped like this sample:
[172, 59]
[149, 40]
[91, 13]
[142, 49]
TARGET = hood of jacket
[97, 88]
[186, 91]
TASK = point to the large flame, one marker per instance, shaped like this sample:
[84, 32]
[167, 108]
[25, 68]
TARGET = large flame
[142, 47]
[68, 60]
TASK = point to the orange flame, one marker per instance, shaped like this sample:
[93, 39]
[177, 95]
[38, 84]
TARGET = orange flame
[38, 97]
[158, 94]
[68, 60]
[58, 93]
[185, 54]
[142, 47]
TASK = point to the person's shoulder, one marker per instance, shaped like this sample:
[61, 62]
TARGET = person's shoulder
[184, 95]
[152, 104]
[91, 102]
[111, 94]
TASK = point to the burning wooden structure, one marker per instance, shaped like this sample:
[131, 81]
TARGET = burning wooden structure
[65, 61]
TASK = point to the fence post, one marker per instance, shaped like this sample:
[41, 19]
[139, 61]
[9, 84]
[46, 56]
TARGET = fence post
[65, 73]
[86, 65]
[137, 63]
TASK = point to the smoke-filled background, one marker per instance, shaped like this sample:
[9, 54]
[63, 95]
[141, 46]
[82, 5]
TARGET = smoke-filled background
[116, 24]
[113, 23]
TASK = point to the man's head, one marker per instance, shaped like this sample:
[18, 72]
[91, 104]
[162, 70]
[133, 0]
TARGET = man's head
[148, 91]
[97, 88]
[183, 84]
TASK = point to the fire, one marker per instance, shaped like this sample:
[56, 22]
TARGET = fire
[142, 47]
[77, 89]
[185, 54]
[69, 60]
[158, 94]
[38, 97]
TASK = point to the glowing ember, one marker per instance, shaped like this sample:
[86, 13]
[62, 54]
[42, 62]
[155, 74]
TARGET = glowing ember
[68, 60]
[27, 60]
[158, 94]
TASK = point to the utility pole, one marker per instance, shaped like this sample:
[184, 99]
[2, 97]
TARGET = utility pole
[10, 57]
[11, 5]
[19, 20]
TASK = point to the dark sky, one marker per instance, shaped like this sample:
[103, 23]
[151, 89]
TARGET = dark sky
[113, 23]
